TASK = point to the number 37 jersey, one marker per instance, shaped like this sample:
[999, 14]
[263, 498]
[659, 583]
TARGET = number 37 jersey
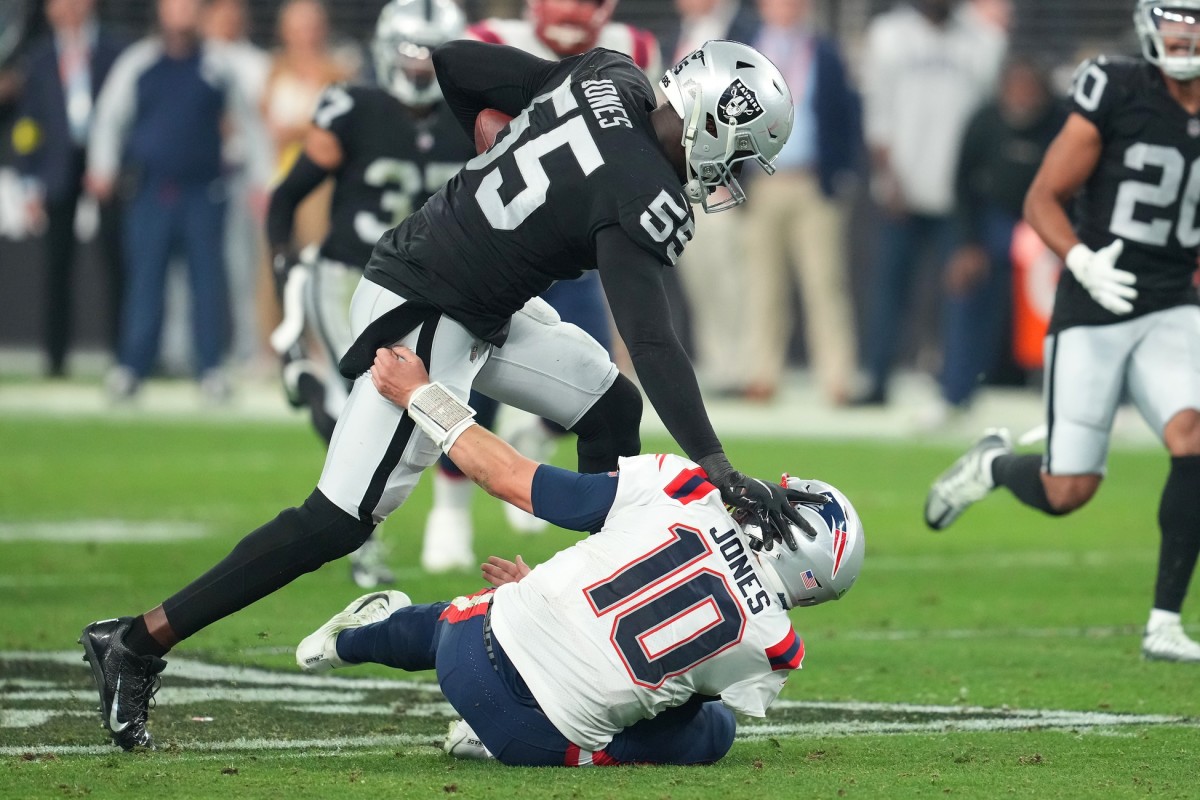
[665, 602]
[392, 162]
[1144, 190]
[582, 156]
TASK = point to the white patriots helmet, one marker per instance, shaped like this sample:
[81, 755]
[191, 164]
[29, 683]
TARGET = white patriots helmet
[405, 36]
[1169, 31]
[735, 107]
[823, 568]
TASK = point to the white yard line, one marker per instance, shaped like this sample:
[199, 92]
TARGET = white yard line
[100, 530]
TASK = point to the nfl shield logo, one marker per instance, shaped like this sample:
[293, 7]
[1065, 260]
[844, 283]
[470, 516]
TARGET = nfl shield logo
[738, 104]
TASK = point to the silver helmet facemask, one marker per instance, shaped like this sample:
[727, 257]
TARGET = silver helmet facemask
[735, 107]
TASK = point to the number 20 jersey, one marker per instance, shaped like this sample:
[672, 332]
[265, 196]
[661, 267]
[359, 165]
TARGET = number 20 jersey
[1145, 189]
[581, 157]
[663, 603]
[392, 162]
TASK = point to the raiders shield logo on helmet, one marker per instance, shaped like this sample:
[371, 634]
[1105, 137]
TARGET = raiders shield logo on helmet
[739, 104]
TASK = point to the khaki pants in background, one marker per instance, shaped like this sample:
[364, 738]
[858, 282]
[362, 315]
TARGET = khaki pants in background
[791, 227]
[789, 224]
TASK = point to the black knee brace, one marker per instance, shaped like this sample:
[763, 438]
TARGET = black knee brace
[610, 428]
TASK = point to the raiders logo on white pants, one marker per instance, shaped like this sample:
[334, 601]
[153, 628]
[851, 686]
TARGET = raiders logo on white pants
[1154, 358]
[547, 367]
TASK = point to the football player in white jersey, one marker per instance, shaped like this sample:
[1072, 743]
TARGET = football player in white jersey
[551, 29]
[635, 645]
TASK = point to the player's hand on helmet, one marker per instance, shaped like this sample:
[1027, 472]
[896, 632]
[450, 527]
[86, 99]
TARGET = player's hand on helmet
[1097, 271]
[772, 505]
[769, 505]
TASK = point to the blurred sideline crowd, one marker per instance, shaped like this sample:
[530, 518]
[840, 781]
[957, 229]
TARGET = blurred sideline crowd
[915, 144]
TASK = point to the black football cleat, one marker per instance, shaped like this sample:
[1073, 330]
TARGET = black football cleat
[126, 681]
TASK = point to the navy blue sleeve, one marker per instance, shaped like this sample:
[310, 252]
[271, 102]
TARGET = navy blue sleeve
[571, 500]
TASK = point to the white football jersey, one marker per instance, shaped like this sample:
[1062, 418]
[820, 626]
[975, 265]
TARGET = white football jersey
[638, 44]
[665, 602]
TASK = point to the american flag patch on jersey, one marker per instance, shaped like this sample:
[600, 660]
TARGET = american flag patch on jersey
[810, 581]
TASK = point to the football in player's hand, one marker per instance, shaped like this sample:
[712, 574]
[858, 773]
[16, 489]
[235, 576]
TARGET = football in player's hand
[488, 125]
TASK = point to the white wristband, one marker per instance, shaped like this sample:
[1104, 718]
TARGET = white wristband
[441, 415]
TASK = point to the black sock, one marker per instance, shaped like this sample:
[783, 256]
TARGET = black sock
[297, 541]
[139, 640]
[1022, 475]
[1179, 520]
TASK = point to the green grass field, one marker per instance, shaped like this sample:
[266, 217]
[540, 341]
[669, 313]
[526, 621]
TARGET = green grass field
[998, 660]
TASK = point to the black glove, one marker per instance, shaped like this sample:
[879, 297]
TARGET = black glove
[769, 505]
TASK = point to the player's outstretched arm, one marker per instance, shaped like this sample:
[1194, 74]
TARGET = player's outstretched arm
[485, 458]
[632, 280]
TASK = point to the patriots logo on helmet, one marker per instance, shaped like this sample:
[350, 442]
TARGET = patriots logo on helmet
[835, 517]
[738, 104]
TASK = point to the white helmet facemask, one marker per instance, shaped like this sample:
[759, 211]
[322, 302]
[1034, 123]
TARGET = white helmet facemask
[1169, 32]
[735, 107]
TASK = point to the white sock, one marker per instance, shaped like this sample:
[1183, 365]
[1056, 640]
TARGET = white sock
[1160, 618]
[452, 491]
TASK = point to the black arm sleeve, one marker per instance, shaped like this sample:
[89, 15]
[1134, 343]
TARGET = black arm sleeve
[478, 75]
[304, 176]
[632, 280]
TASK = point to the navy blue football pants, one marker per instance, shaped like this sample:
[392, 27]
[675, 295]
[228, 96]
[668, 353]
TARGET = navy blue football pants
[492, 697]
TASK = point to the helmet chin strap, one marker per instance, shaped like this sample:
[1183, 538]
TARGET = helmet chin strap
[693, 188]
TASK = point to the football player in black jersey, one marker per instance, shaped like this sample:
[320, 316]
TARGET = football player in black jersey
[1125, 316]
[389, 148]
[589, 174]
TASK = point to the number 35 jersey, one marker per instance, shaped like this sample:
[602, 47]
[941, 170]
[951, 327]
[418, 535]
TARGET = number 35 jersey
[582, 156]
[393, 161]
[1144, 190]
[665, 602]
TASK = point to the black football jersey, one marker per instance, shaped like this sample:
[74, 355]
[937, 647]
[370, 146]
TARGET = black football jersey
[393, 161]
[581, 157]
[1144, 190]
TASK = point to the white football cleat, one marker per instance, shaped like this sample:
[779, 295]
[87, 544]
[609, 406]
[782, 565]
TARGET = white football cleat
[447, 544]
[1168, 642]
[318, 651]
[461, 742]
[968, 480]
